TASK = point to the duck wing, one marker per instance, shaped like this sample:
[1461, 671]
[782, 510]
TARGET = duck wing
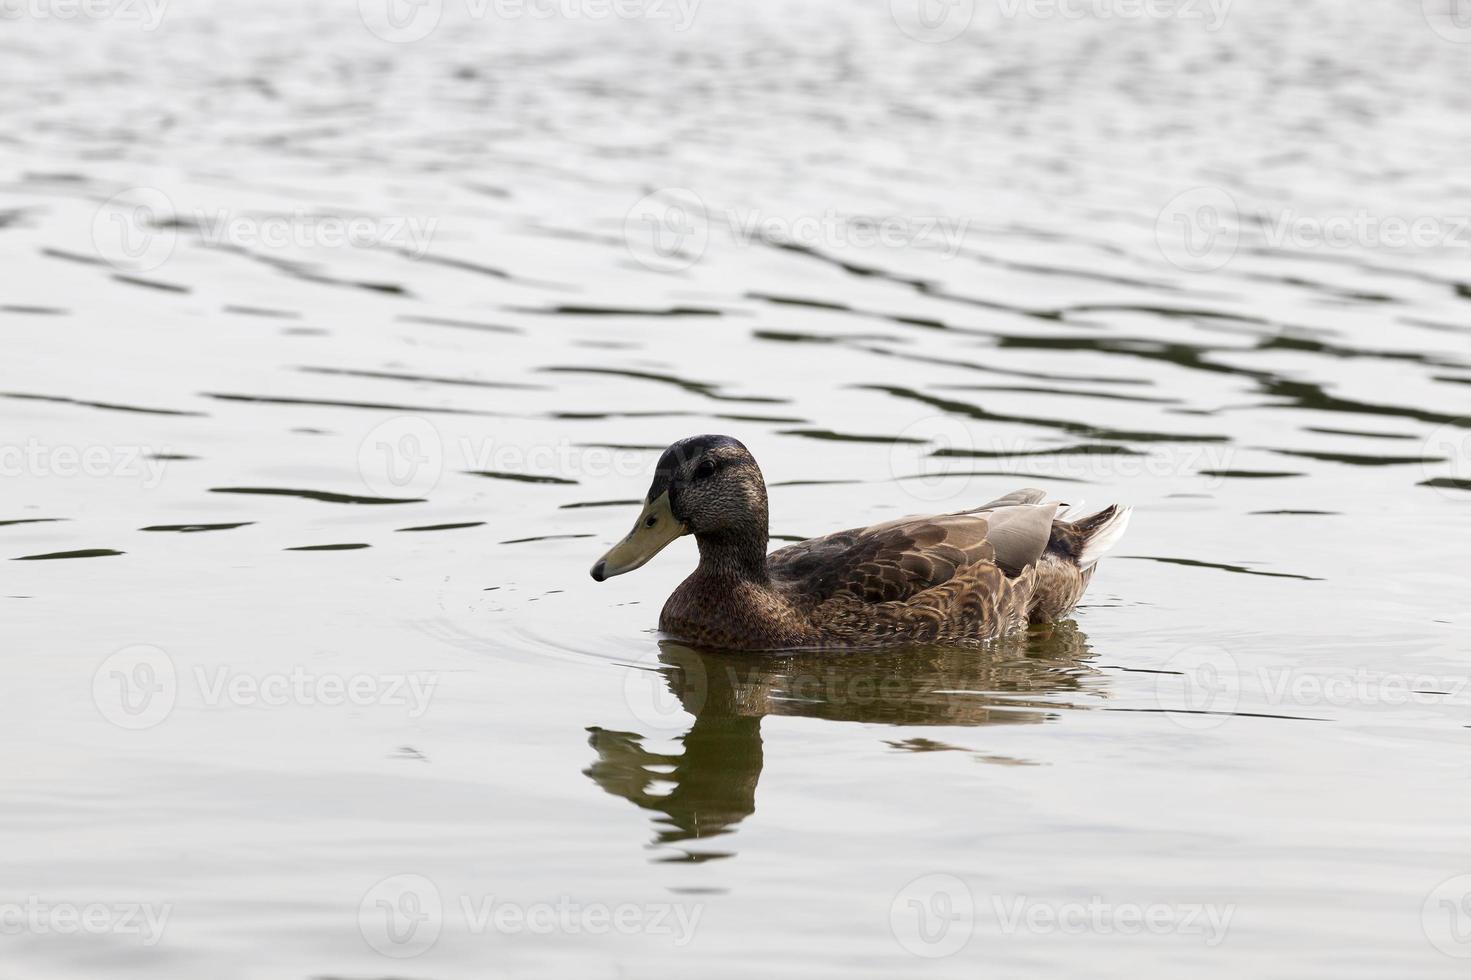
[897, 560]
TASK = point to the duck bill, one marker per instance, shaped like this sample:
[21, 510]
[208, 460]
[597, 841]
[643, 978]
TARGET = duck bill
[651, 534]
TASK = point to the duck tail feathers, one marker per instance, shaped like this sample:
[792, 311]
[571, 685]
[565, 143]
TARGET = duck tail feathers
[1101, 532]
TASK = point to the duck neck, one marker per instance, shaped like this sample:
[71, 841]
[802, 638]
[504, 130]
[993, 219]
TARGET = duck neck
[734, 555]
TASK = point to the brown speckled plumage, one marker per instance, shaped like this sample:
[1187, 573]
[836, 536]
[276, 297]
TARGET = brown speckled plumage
[952, 579]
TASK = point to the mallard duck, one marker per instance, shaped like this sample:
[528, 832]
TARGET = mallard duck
[960, 578]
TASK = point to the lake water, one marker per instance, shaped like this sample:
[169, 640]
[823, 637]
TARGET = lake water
[333, 363]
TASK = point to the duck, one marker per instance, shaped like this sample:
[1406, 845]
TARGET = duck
[961, 578]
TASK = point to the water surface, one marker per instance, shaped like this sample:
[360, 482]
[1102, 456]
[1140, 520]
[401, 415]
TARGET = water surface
[251, 464]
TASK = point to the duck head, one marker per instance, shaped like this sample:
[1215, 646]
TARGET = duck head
[708, 486]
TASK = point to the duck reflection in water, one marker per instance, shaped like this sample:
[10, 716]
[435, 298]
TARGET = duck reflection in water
[710, 787]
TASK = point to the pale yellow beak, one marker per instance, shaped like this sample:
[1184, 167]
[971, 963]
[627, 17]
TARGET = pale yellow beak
[656, 527]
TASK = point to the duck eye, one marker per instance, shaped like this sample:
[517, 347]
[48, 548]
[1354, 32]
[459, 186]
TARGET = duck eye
[705, 469]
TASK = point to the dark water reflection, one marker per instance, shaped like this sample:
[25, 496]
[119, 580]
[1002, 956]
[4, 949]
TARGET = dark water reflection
[710, 786]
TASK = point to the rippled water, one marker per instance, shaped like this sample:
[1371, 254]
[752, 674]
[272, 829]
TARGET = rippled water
[333, 363]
